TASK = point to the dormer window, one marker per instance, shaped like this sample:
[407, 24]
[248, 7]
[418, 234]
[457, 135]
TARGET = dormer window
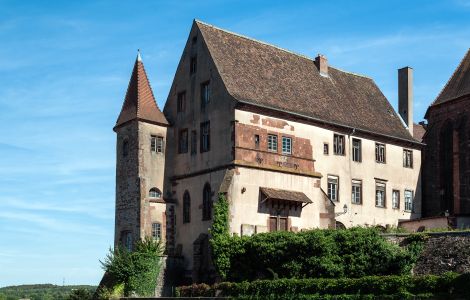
[155, 193]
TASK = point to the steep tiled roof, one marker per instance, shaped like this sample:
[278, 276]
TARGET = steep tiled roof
[459, 84]
[418, 132]
[265, 75]
[140, 102]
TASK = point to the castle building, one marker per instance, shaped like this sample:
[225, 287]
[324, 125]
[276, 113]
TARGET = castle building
[446, 168]
[292, 142]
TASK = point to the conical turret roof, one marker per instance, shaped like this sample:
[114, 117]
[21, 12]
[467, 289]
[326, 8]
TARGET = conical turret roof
[139, 102]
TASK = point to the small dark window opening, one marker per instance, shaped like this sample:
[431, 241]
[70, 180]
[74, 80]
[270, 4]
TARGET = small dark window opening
[186, 207]
[183, 141]
[338, 144]
[194, 40]
[207, 202]
[125, 148]
[193, 65]
[205, 95]
[205, 136]
[181, 102]
[326, 148]
[257, 141]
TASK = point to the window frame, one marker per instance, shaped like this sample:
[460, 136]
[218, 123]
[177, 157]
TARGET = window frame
[156, 231]
[156, 144]
[339, 144]
[355, 183]
[396, 202]
[408, 206]
[272, 143]
[356, 150]
[205, 94]
[326, 149]
[330, 181]
[257, 141]
[205, 134]
[380, 157]
[408, 158]
[155, 193]
[181, 102]
[381, 186]
[287, 148]
[183, 141]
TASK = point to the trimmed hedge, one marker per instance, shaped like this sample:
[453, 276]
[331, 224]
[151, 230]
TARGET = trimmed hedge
[370, 286]
[352, 253]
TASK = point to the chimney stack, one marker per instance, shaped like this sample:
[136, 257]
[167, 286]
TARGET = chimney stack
[322, 64]
[405, 96]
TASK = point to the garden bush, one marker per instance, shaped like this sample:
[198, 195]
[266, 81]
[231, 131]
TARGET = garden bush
[370, 287]
[351, 253]
[133, 272]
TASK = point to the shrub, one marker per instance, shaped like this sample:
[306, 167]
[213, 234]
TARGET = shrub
[370, 287]
[355, 252]
[136, 270]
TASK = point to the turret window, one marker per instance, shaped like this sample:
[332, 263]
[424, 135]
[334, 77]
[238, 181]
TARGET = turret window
[156, 144]
[155, 193]
[125, 148]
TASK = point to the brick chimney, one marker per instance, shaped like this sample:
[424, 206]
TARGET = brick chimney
[405, 96]
[322, 64]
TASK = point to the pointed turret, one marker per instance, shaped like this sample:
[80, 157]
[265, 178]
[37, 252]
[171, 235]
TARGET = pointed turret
[140, 103]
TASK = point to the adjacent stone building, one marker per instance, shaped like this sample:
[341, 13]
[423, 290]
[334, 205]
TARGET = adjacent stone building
[292, 142]
[446, 169]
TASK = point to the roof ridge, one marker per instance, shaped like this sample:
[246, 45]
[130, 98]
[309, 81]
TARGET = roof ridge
[451, 77]
[274, 46]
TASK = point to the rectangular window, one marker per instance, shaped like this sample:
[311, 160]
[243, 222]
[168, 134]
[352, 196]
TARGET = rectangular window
[156, 231]
[193, 65]
[156, 144]
[326, 148]
[183, 141]
[356, 192]
[181, 102]
[205, 94]
[380, 194]
[356, 150]
[395, 199]
[408, 200]
[333, 183]
[205, 136]
[256, 141]
[407, 158]
[338, 144]
[380, 153]
[272, 142]
[193, 142]
[286, 145]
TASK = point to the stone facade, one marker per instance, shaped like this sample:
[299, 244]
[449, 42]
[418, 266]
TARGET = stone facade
[215, 143]
[446, 169]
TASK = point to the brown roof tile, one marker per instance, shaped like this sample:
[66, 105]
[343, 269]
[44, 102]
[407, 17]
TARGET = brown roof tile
[139, 102]
[459, 84]
[265, 75]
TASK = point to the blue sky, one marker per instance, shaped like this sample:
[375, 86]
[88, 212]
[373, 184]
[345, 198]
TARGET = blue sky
[65, 66]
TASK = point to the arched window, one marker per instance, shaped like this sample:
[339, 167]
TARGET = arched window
[155, 193]
[125, 148]
[156, 231]
[207, 202]
[186, 207]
